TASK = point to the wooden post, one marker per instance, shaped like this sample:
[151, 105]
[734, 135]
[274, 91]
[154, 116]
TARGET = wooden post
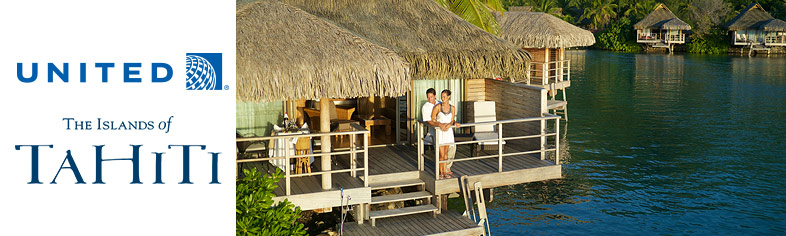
[352, 155]
[420, 145]
[436, 154]
[324, 124]
[365, 159]
[499, 145]
[556, 143]
[361, 210]
[286, 166]
[398, 120]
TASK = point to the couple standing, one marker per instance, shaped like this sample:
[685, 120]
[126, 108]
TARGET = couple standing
[441, 115]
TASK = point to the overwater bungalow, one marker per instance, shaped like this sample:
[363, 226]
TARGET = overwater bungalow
[285, 54]
[443, 52]
[755, 29]
[661, 29]
[545, 37]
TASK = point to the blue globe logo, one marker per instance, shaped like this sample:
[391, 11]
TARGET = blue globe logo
[200, 74]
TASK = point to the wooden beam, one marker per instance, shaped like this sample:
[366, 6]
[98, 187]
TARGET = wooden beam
[326, 199]
[324, 124]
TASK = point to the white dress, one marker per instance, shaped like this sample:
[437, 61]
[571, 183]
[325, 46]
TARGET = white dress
[442, 117]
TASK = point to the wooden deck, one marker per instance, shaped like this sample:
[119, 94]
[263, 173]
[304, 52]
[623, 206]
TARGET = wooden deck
[399, 161]
[307, 191]
[447, 223]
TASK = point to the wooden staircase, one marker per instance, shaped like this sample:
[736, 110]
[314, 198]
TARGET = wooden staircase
[421, 193]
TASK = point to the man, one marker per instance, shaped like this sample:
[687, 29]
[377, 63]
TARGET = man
[425, 114]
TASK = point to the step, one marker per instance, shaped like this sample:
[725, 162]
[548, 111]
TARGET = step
[394, 184]
[374, 215]
[551, 104]
[400, 197]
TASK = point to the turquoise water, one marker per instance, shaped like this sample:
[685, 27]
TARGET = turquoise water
[663, 144]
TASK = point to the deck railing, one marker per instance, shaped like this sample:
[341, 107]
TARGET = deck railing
[543, 135]
[775, 40]
[675, 38]
[560, 69]
[660, 37]
[648, 37]
[353, 150]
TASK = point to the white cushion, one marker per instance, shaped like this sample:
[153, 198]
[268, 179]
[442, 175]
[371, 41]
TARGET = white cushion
[485, 111]
[490, 136]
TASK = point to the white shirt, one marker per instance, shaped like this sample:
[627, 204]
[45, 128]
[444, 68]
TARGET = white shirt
[427, 109]
[425, 112]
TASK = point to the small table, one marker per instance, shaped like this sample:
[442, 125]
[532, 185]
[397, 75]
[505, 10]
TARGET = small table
[378, 121]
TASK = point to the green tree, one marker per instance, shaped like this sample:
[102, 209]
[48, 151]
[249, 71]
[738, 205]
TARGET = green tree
[638, 9]
[618, 36]
[255, 213]
[477, 12]
[600, 12]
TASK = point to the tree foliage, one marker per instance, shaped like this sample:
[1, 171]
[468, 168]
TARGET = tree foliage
[618, 36]
[255, 213]
[607, 17]
[477, 12]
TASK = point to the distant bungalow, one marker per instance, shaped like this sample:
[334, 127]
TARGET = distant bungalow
[545, 37]
[756, 29]
[661, 29]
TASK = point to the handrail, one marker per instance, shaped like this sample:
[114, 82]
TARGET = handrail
[551, 72]
[357, 130]
[542, 150]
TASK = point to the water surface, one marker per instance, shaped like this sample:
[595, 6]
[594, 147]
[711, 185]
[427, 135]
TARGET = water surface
[662, 144]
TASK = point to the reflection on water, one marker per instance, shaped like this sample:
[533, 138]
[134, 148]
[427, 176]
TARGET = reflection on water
[662, 144]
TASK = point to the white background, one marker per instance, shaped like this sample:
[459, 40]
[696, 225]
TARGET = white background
[118, 32]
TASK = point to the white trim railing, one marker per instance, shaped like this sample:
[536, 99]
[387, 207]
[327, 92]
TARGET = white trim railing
[353, 150]
[675, 38]
[648, 37]
[560, 68]
[775, 40]
[543, 135]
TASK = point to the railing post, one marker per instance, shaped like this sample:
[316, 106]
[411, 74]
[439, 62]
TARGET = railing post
[365, 158]
[545, 76]
[543, 139]
[568, 70]
[352, 156]
[499, 145]
[286, 165]
[419, 128]
[436, 154]
[556, 142]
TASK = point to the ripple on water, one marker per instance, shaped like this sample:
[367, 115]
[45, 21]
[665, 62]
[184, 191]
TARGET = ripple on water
[663, 144]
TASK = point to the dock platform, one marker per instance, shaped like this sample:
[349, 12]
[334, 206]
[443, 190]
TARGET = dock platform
[447, 223]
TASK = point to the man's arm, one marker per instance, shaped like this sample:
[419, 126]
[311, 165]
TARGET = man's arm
[434, 113]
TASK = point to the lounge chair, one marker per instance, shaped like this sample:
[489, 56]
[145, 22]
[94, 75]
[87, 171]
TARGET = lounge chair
[483, 112]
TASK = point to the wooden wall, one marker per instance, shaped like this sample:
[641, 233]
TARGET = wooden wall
[516, 100]
[538, 55]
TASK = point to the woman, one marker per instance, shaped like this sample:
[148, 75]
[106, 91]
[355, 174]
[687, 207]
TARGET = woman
[443, 116]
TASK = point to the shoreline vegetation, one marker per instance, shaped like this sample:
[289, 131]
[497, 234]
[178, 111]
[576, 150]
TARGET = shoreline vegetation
[612, 20]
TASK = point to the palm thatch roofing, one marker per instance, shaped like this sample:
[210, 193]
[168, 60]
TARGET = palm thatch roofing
[284, 53]
[437, 43]
[662, 18]
[541, 30]
[774, 25]
[754, 17]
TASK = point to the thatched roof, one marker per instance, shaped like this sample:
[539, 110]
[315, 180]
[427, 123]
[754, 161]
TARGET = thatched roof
[437, 43]
[662, 18]
[774, 25]
[520, 8]
[541, 30]
[754, 17]
[286, 53]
